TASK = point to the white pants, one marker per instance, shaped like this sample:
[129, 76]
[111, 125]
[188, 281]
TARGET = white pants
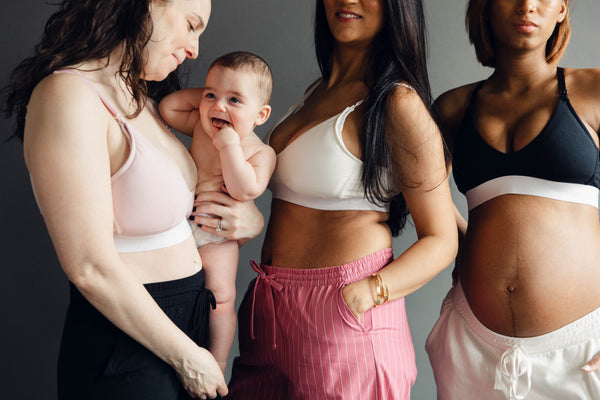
[472, 362]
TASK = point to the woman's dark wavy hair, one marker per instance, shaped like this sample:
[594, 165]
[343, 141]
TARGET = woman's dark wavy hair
[397, 54]
[83, 30]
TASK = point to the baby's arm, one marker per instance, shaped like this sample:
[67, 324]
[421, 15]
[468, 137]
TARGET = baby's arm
[245, 179]
[180, 109]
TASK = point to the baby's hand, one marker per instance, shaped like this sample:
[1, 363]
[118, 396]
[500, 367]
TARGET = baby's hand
[225, 137]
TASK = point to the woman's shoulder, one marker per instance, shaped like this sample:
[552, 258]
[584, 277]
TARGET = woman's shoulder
[67, 89]
[405, 102]
[450, 107]
[312, 87]
[63, 101]
[583, 88]
[454, 102]
[407, 113]
[582, 73]
[583, 80]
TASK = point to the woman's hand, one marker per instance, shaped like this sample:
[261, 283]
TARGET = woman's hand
[240, 221]
[201, 376]
[359, 296]
[593, 364]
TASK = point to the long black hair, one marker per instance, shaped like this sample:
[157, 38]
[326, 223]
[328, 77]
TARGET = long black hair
[397, 54]
[83, 30]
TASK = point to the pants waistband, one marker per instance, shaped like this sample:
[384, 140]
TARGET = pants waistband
[177, 286]
[346, 273]
[158, 290]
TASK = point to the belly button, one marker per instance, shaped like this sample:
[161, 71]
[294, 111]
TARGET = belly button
[510, 289]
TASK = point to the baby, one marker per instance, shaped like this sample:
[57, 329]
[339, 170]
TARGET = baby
[221, 118]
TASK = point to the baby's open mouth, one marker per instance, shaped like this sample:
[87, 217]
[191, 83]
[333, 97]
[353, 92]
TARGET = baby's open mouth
[219, 123]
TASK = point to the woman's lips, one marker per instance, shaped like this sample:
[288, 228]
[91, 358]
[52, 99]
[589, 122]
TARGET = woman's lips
[347, 16]
[525, 26]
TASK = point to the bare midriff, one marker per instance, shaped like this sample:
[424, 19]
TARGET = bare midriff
[305, 238]
[531, 265]
[170, 263]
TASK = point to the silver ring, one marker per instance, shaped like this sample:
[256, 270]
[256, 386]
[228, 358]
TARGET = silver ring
[219, 226]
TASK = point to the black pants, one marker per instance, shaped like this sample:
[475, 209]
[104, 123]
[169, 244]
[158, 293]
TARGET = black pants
[99, 361]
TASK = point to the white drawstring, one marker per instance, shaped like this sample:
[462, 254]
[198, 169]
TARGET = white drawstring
[513, 373]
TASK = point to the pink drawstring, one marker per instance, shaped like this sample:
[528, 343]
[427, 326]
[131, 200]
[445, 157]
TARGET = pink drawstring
[269, 280]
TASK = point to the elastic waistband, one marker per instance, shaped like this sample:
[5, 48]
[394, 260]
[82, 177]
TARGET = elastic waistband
[156, 289]
[171, 237]
[581, 330]
[347, 273]
[177, 286]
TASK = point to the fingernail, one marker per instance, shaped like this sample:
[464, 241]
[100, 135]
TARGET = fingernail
[587, 368]
[199, 225]
[192, 218]
[193, 209]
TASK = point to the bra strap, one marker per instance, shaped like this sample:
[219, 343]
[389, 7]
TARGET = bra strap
[129, 133]
[154, 111]
[474, 95]
[351, 108]
[292, 109]
[562, 87]
[412, 89]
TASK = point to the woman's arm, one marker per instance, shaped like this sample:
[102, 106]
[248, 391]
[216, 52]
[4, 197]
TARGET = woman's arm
[449, 110]
[180, 109]
[422, 176]
[66, 152]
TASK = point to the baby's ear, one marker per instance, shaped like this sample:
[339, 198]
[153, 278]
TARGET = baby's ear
[263, 115]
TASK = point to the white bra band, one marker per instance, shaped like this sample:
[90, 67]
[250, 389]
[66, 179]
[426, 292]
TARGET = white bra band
[133, 244]
[526, 185]
[351, 203]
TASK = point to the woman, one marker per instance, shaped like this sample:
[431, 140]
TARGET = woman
[523, 318]
[100, 161]
[354, 156]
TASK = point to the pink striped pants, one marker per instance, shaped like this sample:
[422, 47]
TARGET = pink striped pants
[309, 345]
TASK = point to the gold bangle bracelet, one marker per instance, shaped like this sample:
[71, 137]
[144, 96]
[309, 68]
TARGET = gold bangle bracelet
[386, 292]
[381, 290]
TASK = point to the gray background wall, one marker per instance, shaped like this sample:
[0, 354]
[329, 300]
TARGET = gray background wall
[33, 289]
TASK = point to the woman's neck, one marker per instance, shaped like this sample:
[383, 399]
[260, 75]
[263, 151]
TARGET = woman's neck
[520, 72]
[347, 65]
[106, 71]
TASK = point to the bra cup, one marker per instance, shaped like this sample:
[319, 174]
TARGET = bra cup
[563, 152]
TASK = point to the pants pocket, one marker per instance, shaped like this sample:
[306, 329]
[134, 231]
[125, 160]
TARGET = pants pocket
[346, 314]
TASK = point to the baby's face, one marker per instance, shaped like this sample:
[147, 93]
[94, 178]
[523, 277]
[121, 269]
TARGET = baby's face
[231, 97]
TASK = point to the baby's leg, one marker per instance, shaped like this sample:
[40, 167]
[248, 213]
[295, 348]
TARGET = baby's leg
[220, 262]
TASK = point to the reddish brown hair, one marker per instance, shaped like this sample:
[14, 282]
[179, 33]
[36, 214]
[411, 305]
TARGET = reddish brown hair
[481, 36]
